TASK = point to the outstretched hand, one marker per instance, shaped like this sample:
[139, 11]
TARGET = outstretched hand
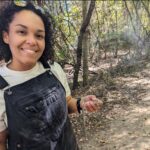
[91, 103]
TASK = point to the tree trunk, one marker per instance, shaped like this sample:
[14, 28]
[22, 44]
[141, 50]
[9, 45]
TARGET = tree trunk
[79, 46]
[85, 46]
[116, 51]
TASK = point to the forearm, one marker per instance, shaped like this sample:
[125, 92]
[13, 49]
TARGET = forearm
[72, 105]
[2, 146]
[3, 139]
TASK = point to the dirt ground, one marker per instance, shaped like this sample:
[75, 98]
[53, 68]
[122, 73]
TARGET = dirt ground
[124, 121]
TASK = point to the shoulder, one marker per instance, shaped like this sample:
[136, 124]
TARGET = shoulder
[55, 65]
[2, 70]
[56, 68]
[58, 72]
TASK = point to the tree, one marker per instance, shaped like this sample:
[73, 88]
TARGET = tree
[85, 46]
[79, 45]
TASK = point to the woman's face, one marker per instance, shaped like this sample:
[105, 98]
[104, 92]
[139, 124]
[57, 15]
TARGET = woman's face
[26, 39]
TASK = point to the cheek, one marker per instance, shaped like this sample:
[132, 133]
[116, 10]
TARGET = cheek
[42, 46]
[15, 42]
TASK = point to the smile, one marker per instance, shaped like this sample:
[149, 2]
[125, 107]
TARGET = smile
[29, 50]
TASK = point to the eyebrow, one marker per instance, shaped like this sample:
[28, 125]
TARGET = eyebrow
[39, 30]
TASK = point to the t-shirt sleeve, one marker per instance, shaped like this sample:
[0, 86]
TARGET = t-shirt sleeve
[2, 124]
[60, 74]
[2, 113]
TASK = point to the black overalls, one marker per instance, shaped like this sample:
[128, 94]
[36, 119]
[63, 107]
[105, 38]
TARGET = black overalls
[37, 115]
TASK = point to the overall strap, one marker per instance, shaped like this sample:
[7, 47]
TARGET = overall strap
[46, 64]
[3, 83]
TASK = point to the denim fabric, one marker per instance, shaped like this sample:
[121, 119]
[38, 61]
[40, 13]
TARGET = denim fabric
[37, 115]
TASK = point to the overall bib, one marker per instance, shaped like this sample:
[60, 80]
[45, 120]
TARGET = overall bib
[37, 115]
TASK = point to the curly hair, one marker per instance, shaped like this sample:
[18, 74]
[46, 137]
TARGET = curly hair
[6, 17]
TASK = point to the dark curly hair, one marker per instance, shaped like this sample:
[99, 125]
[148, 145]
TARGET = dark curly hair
[6, 16]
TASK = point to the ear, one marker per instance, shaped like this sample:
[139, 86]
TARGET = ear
[5, 37]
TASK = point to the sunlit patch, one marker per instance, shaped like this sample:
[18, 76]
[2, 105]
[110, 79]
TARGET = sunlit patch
[20, 3]
[147, 122]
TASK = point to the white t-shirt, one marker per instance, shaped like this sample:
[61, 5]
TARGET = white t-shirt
[17, 77]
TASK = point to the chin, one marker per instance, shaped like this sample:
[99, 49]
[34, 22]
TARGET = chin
[29, 64]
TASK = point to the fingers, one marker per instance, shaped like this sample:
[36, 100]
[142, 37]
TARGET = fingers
[91, 97]
[93, 105]
[90, 106]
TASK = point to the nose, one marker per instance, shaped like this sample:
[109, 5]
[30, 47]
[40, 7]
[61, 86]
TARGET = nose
[31, 40]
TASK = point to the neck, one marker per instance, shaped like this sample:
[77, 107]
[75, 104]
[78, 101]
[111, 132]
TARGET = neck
[20, 67]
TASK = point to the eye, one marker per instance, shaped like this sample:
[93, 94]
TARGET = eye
[21, 32]
[40, 36]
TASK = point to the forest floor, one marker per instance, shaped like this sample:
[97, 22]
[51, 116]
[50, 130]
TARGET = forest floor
[124, 121]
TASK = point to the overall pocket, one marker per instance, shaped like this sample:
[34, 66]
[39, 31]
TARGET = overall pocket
[44, 114]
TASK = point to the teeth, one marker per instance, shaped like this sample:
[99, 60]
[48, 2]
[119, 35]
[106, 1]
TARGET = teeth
[28, 50]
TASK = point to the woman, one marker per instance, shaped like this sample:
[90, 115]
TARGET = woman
[35, 97]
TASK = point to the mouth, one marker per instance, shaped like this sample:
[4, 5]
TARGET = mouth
[28, 50]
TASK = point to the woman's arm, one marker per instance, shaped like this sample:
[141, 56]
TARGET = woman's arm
[72, 105]
[3, 139]
[89, 103]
